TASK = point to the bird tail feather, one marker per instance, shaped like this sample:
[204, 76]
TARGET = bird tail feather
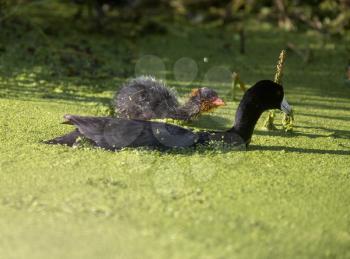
[68, 139]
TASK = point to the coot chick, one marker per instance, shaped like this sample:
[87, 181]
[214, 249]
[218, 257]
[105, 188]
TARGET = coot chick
[146, 98]
[115, 133]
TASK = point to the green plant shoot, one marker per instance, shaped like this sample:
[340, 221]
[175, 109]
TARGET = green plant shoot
[287, 120]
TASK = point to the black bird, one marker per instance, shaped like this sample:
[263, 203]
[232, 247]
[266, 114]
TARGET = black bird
[145, 98]
[116, 133]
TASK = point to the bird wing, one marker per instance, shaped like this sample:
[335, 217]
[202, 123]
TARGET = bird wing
[67, 139]
[107, 132]
[115, 133]
[173, 136]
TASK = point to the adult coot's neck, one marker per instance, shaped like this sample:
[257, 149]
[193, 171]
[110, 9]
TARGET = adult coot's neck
[247, 115]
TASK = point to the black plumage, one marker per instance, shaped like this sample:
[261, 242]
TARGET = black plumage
[115, 133]
[146, 98]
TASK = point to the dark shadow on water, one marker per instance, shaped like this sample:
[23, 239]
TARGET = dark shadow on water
[65, 97]
[299, 150]
[318, 106]
[344, 118]
[332, 133]
[188, 151]
[208, 150]
[280, 133]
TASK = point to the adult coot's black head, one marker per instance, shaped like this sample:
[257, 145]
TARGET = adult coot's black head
[266, 95]
[263, 96]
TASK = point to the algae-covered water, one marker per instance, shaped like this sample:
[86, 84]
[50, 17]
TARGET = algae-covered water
[286, 197]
